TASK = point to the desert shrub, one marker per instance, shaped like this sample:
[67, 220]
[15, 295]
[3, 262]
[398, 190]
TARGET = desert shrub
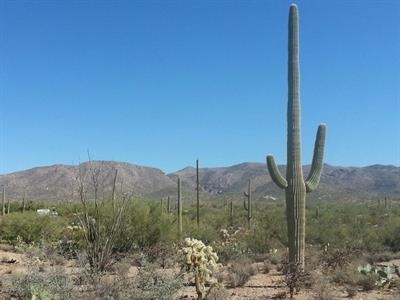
[240, 272]
[347, 275]
[217, 292]
[146, 226]
[368, 281]
[143, 224]
[68, 248]
[160, 253]
[322, 290]
[209, 215]
[381, 257]
[337, 258]
[366, 229]
[151, 283]
[30, 227]
[271, 230]
[274, 256]
[266, 267]
[261, 238]
[121, 266]
[205, 232]
[392, 236]
[231, 245]
[351, 291]
[38, 284]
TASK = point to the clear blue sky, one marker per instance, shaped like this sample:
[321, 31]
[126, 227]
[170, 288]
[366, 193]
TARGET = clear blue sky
[161, 83]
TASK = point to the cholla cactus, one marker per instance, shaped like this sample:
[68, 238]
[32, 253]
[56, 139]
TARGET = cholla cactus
[202, 261]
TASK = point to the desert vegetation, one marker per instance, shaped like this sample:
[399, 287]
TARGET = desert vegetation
[184, 246]
[353, 248]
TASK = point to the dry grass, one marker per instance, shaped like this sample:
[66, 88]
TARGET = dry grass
[240, 271]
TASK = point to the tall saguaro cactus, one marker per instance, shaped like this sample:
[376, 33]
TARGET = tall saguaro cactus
[294, 184]
[179, 207]
[231, 212]
[168, 205]
[3, 201]
[197, 193]
[23, 202]
[248, 207]
[114, 188]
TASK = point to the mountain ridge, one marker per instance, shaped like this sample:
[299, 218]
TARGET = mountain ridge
[59, 181]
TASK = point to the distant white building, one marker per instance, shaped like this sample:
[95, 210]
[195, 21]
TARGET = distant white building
[46, 212]
[268, 197]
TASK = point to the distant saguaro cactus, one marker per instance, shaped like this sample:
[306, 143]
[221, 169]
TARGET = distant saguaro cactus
[179, 207]
[3, 201]
[23, 202]
[294, 184]
[386, 203]
[248, 207]
[231, 212]
[197, 193]
[114, 188]
[168, 205]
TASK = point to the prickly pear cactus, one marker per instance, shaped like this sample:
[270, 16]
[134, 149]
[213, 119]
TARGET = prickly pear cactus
[200, 260]
[384, 273]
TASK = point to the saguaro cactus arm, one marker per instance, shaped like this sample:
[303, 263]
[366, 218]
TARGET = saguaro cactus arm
[275, 174]
[317, 162]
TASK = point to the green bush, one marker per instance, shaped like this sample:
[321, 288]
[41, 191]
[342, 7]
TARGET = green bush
[30, 227]
[146, 226]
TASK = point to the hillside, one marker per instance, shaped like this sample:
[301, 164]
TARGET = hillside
[60, 182]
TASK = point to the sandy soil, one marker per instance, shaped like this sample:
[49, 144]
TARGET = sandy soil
[260, 286]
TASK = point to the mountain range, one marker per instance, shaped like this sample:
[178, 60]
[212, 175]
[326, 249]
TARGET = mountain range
[61, 182]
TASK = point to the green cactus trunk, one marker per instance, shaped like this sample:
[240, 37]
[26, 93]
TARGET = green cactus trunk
[3, 201]
[168, 205]
[197, 193]
[179, 208]
[114, 189]
[231, 213]
[294, 184]
[23, 203]
[248, 207]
